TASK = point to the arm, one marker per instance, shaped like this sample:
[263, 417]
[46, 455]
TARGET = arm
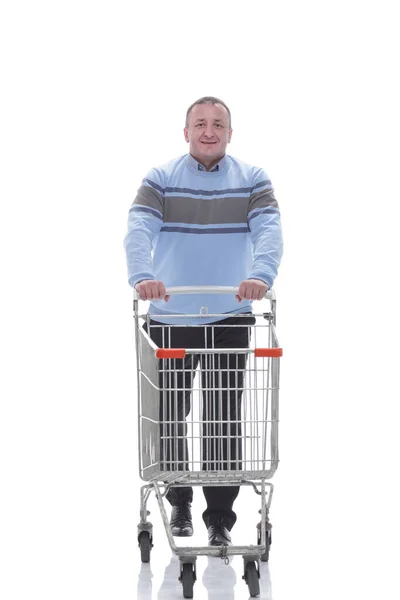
[266, 236]
[144, 223]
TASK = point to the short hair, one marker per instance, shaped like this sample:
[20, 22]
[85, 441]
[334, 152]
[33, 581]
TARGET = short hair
[207, 100]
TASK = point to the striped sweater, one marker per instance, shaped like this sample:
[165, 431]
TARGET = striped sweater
[189, 226]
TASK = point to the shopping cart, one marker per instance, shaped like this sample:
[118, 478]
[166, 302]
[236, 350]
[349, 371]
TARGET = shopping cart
[208, 447]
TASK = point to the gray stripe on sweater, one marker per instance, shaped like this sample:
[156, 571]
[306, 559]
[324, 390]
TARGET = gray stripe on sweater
[201, 211]
[148, 196]
[262, 200]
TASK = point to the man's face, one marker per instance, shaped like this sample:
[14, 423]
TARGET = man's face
[208, 133]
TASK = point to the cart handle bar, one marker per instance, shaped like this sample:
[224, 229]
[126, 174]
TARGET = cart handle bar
[207, 289]
[181, 352]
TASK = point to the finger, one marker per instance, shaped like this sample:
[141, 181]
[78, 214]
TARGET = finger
[247, 292]
[166, 298]
[142, 292]
[161, 289]
[254, 292]
[264, 290]
[154, 290]
[238, 298]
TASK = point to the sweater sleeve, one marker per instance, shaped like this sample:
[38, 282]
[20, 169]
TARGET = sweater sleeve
[144, 223]
[265, 230]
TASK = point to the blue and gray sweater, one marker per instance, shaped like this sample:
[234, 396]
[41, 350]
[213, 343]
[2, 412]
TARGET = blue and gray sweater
[188, 226]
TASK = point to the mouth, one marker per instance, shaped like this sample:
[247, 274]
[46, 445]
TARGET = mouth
[208, 143]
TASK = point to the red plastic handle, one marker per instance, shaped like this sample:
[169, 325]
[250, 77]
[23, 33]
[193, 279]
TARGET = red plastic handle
[268, 352]
[170, 353]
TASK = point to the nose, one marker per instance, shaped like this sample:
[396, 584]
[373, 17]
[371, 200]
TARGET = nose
[208, 132]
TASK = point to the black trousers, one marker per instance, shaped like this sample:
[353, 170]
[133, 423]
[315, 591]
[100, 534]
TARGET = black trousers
[222, 378]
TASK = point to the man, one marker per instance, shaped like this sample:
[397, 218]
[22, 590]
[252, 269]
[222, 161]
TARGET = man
[204, 218]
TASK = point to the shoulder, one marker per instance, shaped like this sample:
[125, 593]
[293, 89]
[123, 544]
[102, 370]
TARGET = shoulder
[255, 176]
[158, 177]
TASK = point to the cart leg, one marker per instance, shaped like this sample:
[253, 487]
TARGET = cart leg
[145, 492]
[268, 539]
[145, 528]
[264, 525]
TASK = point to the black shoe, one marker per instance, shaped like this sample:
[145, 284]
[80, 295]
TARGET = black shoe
[181, 520]
[218, 534]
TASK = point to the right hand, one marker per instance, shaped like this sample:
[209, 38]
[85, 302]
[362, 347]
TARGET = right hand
[150, 289]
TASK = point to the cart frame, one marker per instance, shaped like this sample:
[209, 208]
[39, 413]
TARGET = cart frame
[261, 436]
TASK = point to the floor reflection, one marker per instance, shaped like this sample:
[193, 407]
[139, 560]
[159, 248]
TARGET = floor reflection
[144, 586]
[219, 579]
[265, 582]
[171, 587]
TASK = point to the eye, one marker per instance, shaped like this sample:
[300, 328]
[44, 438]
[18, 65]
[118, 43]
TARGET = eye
[200, 125]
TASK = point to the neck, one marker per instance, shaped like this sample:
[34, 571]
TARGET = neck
[208, 164]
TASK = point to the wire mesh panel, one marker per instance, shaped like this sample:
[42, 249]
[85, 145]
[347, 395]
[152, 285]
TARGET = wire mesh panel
[208, 412]
[149, 398]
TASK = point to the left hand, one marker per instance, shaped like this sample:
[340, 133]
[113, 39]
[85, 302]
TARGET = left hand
[252, 289]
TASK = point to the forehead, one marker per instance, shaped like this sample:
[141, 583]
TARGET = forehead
[209, 111]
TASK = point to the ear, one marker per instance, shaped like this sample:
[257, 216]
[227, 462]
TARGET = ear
[230, 135]
[186, 134]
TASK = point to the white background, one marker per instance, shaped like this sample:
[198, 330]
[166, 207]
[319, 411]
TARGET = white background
[93, 95]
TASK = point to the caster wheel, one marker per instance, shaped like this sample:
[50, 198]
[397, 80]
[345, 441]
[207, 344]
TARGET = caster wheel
[252, 579]
[145, 544]
[268, 540]
[187, 579]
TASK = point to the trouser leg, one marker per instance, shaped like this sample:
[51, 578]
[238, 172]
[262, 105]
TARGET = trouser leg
[223, 381]
[175, 381]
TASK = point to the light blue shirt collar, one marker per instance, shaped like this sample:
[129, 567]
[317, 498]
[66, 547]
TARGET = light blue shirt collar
[218, 167]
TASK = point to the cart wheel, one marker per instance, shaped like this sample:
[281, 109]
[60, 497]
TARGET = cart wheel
[252, 577]
[268, 540]
[146, 545]
[187, 579]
